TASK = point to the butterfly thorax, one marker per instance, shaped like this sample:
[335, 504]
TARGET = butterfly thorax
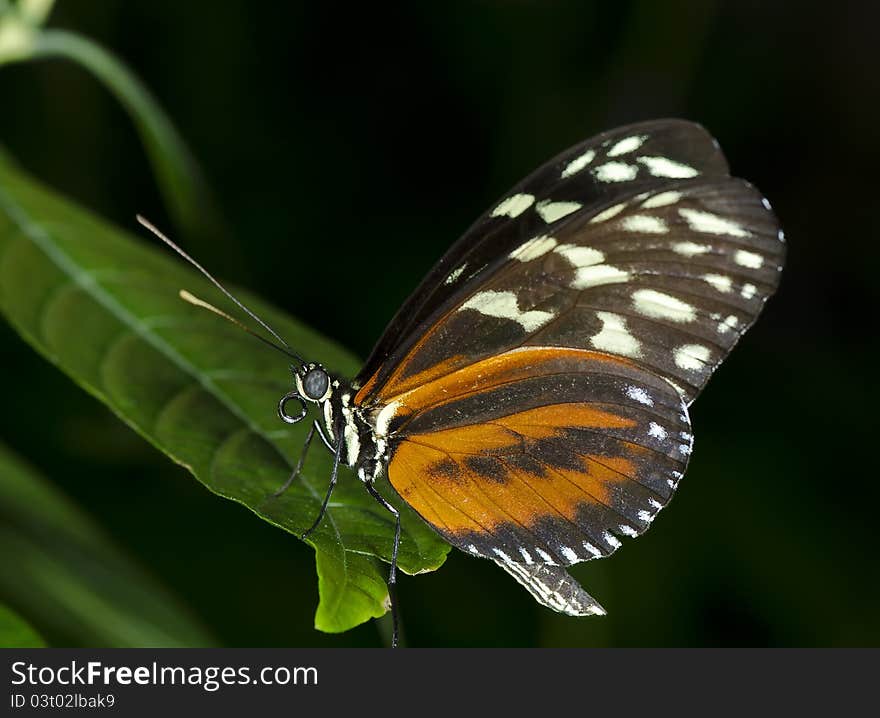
[343, 421]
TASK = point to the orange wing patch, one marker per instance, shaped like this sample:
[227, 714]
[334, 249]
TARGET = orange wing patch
[475, 478]
[448, 379]
[508, 455]
[545, 421]
[446, 383]
[397, 385]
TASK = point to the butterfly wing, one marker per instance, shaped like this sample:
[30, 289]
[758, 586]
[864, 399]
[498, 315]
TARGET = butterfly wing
[670, 279]
[553, 587]
[532, 394]
[594, 174]
[539, 455]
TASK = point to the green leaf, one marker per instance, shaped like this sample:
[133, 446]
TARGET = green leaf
[70, 579]
[15, 632]
[356, 590]
[104, 308]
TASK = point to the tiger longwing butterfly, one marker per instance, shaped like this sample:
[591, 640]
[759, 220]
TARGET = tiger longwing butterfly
[530, 399]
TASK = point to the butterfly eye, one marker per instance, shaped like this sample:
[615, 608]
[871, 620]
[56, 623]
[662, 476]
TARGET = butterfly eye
[315, 384]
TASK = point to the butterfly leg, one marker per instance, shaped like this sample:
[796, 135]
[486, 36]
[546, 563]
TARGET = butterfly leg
[324, 438]
[392, 574]
[299, 464]
[333, 476]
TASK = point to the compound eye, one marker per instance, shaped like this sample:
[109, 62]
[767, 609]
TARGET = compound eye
[315, 384]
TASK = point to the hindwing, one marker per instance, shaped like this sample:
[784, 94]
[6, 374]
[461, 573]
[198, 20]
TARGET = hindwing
[539, 455]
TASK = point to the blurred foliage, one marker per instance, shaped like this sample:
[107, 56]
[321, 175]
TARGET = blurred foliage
[15, 632]
[23, 37]
[348, 152]
[68, 578]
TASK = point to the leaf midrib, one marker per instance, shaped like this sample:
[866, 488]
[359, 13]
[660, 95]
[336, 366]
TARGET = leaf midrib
[42, 239]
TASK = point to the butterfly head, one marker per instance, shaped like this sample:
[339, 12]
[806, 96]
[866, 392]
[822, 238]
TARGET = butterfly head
[313, 383]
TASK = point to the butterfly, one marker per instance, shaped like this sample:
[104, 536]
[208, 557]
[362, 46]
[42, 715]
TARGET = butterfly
[530, 399]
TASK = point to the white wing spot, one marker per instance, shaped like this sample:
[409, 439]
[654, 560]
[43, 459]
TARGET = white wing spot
[665, 167]
[655, 504]
[661, 200]
[527, 557]
[503, 556]
[646, 516]
[766, 203]
[596, 275]
[577, 164]
[616, 172]
[658, 305]
[569, 553]
[721, 282]
[681, 392]
[473, 549]
[628, 530]
[748, 259]
[692, 357]
[614, 337]
[627, 145]
[748, 291]
[504, 306]
[455, 274]
[534, 248]
[645, 224]
[709, 223]
[636, 393]
[579, 256]
[592, 549]
[546, 557]
[608, 213]
[551, 211]
[690, 249]
[611, 539]
[657, 431]
[780, 235]
[676, 477]
[514, 205]
[731, 322]
[685, 449]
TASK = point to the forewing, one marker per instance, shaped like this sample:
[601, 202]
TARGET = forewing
[584, 178]
[668, 278]
[540, 455]
[635, 243]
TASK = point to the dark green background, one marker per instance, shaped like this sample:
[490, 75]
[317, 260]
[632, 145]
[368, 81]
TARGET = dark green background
[349, 147]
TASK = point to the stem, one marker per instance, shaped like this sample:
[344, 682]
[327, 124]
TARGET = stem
[385, 628]
[177, 173]
[34, 12]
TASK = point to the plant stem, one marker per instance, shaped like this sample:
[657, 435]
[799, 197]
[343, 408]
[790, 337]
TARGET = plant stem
[177, 174]
[35, 12]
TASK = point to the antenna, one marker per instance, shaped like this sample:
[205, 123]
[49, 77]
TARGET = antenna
[195, 301]
[186, 296]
